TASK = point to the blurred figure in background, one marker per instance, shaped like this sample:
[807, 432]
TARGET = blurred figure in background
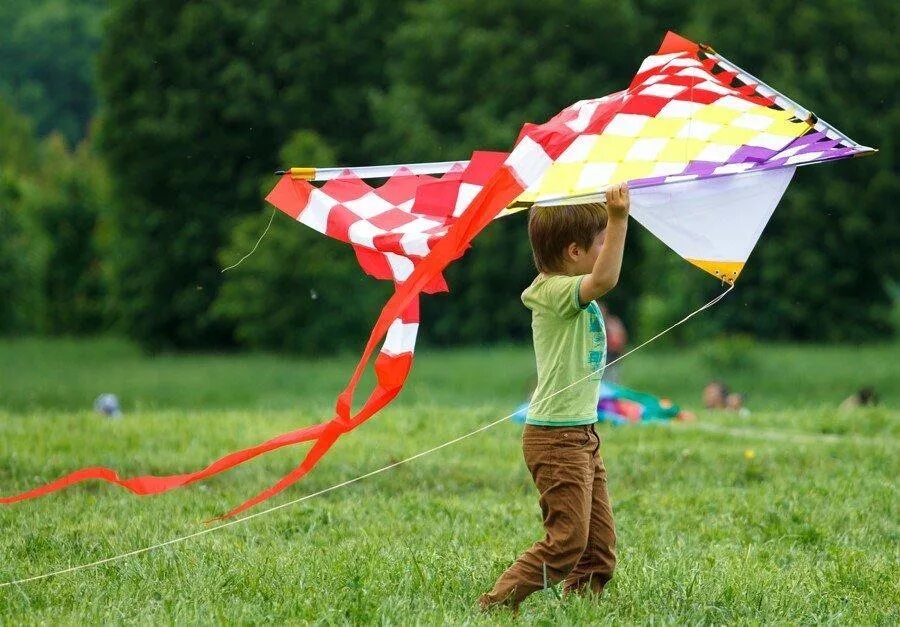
[108, 405]
[864, 397]
[716, 395]
[616, 339]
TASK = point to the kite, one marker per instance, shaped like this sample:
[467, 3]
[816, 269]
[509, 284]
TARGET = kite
[706, 148]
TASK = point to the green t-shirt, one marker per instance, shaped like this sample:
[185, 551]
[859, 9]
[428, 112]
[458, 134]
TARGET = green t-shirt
[569, 345]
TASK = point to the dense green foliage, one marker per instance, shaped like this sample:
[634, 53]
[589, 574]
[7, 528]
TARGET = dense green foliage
[195, 114]
[71, 214]
[51, 203]
[59, 375]
[788, 516]
[18, 248]
[47, 59]
[200, 101]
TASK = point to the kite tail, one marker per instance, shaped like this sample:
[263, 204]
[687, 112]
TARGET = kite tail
[153, 484]
[391, 372]
[500, 191]
[392, 366]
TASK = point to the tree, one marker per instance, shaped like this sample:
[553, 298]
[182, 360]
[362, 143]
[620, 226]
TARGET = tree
[70, 210]
[51, 209]
[21, 252]
[47, 50]
[199, 97]
[822, 268]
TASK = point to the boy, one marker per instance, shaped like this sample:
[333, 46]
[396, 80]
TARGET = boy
[578, 252]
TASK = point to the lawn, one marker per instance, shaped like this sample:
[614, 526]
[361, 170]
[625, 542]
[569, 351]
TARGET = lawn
[788, 515]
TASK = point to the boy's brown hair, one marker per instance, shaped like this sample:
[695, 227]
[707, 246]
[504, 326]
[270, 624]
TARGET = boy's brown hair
[552, 229]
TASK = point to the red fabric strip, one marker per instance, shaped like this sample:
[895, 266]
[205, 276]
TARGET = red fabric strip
[499, 192]
[153, 484]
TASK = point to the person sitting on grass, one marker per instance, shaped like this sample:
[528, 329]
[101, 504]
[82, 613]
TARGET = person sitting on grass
[716, 395]
[578, 253]
[864, 397]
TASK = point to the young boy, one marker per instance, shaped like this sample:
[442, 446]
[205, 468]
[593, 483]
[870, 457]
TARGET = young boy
[578, 252]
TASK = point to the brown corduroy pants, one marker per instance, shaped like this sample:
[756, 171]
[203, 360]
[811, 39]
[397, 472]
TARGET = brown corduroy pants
[580, 543]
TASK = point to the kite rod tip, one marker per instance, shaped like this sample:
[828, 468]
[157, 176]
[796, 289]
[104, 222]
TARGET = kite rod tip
[305, 174]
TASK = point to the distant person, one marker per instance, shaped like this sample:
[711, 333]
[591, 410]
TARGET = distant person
[864, 397]
[735, 402]
[578, 253]
[616, 340]
[108, 405]
[716, 395]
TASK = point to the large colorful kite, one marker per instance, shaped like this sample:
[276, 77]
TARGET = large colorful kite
[707, 150]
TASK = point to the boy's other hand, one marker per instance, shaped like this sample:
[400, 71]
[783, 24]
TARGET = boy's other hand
[617, 201]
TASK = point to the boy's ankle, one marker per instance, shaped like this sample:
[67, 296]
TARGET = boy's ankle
[487, 603]
[586, 586]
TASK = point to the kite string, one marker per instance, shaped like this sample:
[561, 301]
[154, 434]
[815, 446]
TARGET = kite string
[241, 260]
[342, 484]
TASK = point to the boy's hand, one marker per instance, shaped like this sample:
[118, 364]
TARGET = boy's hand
[617, 201]
[608, 265]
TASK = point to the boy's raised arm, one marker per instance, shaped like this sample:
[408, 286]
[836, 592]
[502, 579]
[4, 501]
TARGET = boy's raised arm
[606, 270]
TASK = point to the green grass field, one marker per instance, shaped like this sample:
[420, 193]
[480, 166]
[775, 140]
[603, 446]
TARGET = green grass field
[789, 515]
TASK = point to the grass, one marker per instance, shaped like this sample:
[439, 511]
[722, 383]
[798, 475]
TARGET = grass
[789, 515]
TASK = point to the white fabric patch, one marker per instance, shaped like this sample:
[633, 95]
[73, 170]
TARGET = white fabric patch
[415, 244]
[645, 149]
[681, 177]
[585, 112]
[679, 109]
[595, 175]
[656, 60]
[753, 121]
[695, 129]
[807, 156]
[656, 78]
[770, 141]
[695, 72]
[685, 62]
[400, 338]
[400, 266]
[716, 88]
[626, 124]
[315, 215]
[732, 168]
[734, 103]
[666, 168]
[369, 205]
[363, 232]
[664, 90]
[464, 197]
[716, 152]
[419, 225]
[578, 150]
[528, 161]
[788, 152]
